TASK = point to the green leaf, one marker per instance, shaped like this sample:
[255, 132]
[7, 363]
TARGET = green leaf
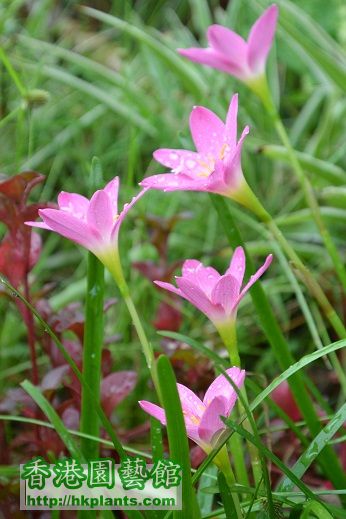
[226, 496]
[177, 438]
[330, 172]
[55, 420]
[317, 509]
[174, 62]
[315, 447]
[280, 347]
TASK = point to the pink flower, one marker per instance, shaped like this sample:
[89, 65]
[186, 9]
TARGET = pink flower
[230, 53]
[93, 223]
[216, 296]
[202, 419]
[215, 166]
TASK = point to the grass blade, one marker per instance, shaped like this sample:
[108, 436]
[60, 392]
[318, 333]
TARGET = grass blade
[315, 447]
[177, 439]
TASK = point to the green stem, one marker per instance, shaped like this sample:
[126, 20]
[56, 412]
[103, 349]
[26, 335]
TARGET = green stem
[263, 91]
[236, 447]
[114, 267]
[228, 334]
[327, 459]
[92, 351]
[223, 463]
[249, 199]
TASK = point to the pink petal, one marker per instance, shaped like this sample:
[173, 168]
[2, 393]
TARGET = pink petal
[191, 404]
[41, 225]
[212, 58]
[261, 38]
[207, 131]
[171, 182]
[228, 43]
[192, 432]
[100, 214]
[233, 174]
[76, 205]
[112, 190]
[255, 277]
[169, 287]
[154, 410]
[204, 277]
[216, 181]
[179, 160]
[237, 266]
[127, 207]
[159, 413]
[199, 299]
[231, 124]
[222, 387]
[225, 293]
[211, 422]
[71, 228]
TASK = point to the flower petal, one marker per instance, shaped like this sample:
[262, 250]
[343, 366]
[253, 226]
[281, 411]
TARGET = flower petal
[41, 225]
[261, 38]
[171, 182]
[255, 277]
[225, 293]
[231, 124]
[76, 205]
[112, 190]
[227, 43]
[127, 207]
[237, 266]
[222, 387]
[233, 174]
[71, 228]
[197, 273]
[207, 131]
[211, 422]
[212, 58]
[154, 410]
[191, 404]
[198, 298]
[179, 160]
[169, 287]
[100, 214]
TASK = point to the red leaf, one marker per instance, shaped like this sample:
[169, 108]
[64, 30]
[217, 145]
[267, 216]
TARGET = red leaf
[53, 379]
[19, 186]
[115, 387]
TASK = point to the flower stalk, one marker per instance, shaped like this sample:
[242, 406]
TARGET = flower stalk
[228, 333]
[261, 88]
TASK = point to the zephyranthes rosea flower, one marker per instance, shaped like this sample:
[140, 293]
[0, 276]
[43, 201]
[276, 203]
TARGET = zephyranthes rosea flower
[217, 296]
[202, 418]
[230, 53]
[216, 165]
[93, 223]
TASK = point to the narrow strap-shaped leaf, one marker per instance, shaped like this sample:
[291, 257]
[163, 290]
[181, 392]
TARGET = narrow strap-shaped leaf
[328, 459]
[177, 438]
[226, 496]
[55, 420]
[92, 351]
[315, 447]
[183, 71]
